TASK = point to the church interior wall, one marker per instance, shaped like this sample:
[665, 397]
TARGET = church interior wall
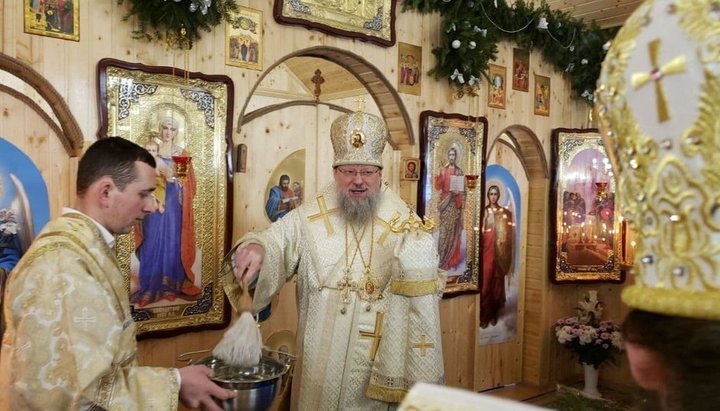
[71, 68]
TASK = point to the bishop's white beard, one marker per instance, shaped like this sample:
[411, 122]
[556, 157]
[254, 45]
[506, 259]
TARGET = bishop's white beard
[358, 211]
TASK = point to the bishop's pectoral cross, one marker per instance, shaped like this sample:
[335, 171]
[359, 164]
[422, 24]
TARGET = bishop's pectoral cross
[376, 335]
[346, 287]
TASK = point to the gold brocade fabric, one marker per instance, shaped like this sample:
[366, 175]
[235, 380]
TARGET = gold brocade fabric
[658, 103]
[337, 368]
[358, 138]
[70, 342]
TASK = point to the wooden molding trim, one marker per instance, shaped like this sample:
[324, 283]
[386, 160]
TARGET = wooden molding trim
[514, 149]
[275, 107]
[531, 151]
[71, 135]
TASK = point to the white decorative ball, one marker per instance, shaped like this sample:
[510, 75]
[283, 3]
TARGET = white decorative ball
[471, 45]
[456, 44]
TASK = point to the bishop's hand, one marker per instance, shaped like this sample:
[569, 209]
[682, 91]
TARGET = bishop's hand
[247, 262]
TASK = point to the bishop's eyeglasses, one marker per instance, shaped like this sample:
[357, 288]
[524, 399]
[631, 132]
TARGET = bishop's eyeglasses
[364, 173]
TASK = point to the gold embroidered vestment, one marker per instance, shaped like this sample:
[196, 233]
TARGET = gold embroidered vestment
[70, 342]
[348, 360]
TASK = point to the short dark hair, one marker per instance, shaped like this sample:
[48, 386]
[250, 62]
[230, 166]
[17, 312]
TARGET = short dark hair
[114, 157]
[283, 178]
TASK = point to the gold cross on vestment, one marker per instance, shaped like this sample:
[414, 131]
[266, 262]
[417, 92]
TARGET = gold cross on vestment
[674, 66]
[423, 345]
[376, 335]
[324, 215]
[385, 233]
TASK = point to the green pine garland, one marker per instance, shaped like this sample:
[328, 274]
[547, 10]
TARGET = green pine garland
[471, 31]
[177, 22]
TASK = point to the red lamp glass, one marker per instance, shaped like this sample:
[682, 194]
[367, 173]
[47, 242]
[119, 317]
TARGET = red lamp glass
[182, 165]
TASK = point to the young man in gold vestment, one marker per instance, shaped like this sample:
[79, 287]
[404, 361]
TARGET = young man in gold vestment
[70, 340]
[368, 287]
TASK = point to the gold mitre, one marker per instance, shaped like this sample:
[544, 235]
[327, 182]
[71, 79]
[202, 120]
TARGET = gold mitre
[658, 103]
[358, 138]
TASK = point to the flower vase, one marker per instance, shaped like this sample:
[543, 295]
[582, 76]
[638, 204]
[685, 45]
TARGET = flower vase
[590, 389]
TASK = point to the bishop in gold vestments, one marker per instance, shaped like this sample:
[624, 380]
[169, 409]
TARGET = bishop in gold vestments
[364, 339]
[368, 283]
[70, 341]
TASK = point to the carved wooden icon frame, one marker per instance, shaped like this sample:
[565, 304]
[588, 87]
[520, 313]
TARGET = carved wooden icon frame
[585, 229]
[133, 100]
[372, 21]
[452, 194]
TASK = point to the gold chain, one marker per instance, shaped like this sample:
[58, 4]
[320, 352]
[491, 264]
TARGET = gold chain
[357, 248]
[368, 285]
[357, 245]
[346, 284]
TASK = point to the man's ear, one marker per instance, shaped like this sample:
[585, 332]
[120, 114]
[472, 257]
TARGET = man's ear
[647, 367]
[103, 189]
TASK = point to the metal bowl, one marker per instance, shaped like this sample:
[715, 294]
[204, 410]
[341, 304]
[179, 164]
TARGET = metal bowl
[255, 387]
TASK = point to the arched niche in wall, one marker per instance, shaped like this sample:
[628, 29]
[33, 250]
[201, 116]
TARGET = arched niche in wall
[377, 85]
[529, 346]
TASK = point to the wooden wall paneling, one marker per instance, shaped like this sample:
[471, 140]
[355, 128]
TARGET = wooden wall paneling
[97, 40]
[14, 114]
[457, 319]
[24, 83]
[4, 20]
[535, 347]
[52, 62]
[8, 16]
[28, 47]
[81, 81]
[323, 151]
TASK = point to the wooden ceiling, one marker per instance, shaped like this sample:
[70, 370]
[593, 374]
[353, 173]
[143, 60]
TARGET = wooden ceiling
[606, 13]
[337, 81]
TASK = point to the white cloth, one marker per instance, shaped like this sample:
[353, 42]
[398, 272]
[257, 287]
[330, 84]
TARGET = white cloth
[430, 397]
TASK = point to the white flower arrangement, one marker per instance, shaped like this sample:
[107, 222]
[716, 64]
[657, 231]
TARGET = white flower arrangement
[592, 340]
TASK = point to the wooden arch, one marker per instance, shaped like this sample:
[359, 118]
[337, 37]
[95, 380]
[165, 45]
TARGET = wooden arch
[280, 106]
[64, 123]
[528, 148]
[385, 96]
